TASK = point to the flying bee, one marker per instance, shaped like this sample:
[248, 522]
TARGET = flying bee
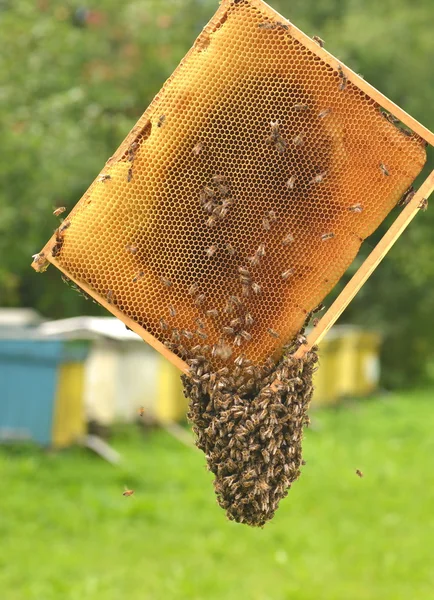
[198, 148]
[319, 178]
[200, 299]
[104, 177]
[327, 236]
[166, 282]
[139, 275]
[298, 140]
[301, 107]
[291, 182]
[141, 411]
[356, 208]
[256, 288]
[163, 324]
[213, 312]
[359, 473]
[172, 311]
[318, 40]
[59, 211]
[211, 251]
[231, 250]
[110, 296]
[273, 333]
[193, 289]
[287, 274]
[127, 492]
[324, 113]
[161, 120]
[131, 249]
[384, 169]
[288, 239]
[129, 174]
[423, 204]
[223, 351]
[408, 195]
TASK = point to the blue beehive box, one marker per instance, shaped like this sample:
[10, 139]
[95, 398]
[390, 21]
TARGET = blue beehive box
[29, 385]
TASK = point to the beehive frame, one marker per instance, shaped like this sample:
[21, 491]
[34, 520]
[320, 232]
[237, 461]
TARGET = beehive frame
[271, 16]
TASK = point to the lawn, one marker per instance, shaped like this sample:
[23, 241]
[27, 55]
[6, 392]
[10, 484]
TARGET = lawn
[66, 531]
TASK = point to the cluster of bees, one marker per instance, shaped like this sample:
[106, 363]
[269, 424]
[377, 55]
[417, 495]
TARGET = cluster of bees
[251, 433]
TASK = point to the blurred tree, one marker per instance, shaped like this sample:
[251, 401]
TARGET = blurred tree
[75, 77]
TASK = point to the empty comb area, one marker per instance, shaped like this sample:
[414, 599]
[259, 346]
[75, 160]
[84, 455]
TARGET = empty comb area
[243, 193]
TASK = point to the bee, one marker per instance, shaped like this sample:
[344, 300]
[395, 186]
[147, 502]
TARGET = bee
[288, 239]
[187, 334]
[202, 334]
[389, 117]
[256, 288]
[359, 473]
[408, 195]
[110, 296]
[287, 274]
[129, 174]
[193, 289]
[132, 151]
[141, 411]
[229, 331]
[315, 322]
[324, 113]
[423, 204]
[318, 308]
[266, 224]
[280, 145]
[221, 184]
[38, 257]
[291, 182]
[172, 311]
[260, 253]
[248, 320]
[356, 208]
[212, 220]
[384, 169]
[282, 25]
[273, 333]
[235, 300]
[211, 251]
[244, 272]
[318, 40]
[198, 149]
[275, 138]
[175, 336]
[163, 324]
[237, 340]
[200, 299]
[327, 236]
[208, 192]
[246, 335]
[166, 282]
[65, 225]
[131, 249]
[213, 312]
[138, 276]
[127, 492]
[319, 178]
[301, 107]
[231, 250]
[59, 211]
[104, 177]
[161, 120]
[298, 140]
[343, 78]
[267, 25]
[272, 216]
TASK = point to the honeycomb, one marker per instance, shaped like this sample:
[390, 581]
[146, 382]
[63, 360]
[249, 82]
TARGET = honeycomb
[242, 194]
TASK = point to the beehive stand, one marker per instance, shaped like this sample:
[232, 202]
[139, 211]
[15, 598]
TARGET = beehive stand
[243, 194]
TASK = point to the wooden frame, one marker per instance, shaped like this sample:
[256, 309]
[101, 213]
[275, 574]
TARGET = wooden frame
[375, 257]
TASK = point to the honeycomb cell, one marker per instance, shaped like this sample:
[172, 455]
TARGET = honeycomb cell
[254, 141]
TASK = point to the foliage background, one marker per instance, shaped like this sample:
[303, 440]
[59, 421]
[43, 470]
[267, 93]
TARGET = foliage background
[74, 79]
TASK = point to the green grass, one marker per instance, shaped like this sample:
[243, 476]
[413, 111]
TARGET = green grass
[66, 531]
